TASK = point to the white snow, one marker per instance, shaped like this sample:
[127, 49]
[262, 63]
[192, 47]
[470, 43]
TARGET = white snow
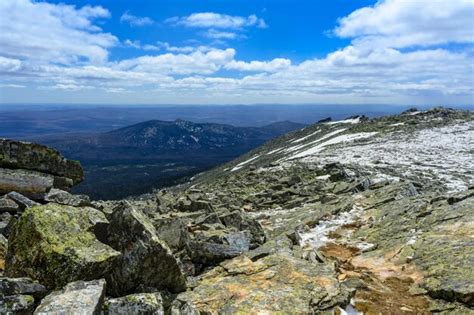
[195, 138]
[306, 137]
[335, 140]
[346, 121]
[442, 152]
[274, 151]
[240, 165]
[319, 235]
[397, 124]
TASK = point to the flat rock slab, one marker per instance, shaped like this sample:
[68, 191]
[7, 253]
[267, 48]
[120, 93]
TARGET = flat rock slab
[80, 298]
[29, 183]
[32, 156]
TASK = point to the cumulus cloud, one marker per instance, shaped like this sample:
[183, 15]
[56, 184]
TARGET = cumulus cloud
[401, 23]
[42, 32]
[398, 54]
[134, 20]
[217, 20]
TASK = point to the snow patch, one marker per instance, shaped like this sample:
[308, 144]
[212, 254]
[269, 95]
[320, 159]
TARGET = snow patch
[240, 165]
[335, 140]
[346, 121]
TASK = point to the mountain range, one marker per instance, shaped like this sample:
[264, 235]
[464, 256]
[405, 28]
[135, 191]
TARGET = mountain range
[152, 154]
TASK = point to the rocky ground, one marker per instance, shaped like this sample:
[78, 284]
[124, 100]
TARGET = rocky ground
[356, 216]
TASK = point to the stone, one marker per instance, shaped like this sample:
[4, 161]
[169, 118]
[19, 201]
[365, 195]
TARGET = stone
[3, 251]
[241, 222]
[56, 244]
[8, 205]
[17, 304]
[278, 283]
[29, 183]
[140, 303]
[23, 286]
[36, 157]
[78, 297]
[65, 198]
[146, 259]
[21, 200]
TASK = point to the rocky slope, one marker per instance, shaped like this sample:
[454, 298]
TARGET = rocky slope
[355, 216]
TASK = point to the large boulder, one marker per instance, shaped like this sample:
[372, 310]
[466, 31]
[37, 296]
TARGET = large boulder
[36, 157]
[141, 303]
[30, 183]
[146, 259]
[78, 297]
[57, 244]
[278, 283]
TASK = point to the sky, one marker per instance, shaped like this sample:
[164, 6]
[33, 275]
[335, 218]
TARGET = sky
[418, 52]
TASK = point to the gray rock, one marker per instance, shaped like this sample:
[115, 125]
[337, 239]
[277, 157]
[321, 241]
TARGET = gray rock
[64, 198]
[146, 259]
[21, 200]
[32, 184]
[8, 205]
[80, 297]
[141, 303]
[17, 304]
[24, 286]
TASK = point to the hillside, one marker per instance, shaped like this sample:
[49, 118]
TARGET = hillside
[371, 216]
[152, 154]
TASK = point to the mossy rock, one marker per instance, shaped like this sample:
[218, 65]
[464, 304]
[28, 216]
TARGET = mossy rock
[56, 244]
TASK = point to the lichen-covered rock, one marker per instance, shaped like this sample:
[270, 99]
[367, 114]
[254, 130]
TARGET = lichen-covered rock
[36, 157]
[56, 244]
[278, 283]
[146, 260]
[65, 198]
[78, 297]
[140, 303]
[17, 304]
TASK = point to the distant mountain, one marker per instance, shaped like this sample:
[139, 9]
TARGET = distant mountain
[157, 153]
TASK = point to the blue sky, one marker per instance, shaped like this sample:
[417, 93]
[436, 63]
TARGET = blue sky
[228, 52]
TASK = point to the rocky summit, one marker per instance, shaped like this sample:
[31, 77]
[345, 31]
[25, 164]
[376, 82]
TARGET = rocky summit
[358, 216]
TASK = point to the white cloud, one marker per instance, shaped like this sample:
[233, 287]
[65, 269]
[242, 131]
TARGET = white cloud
[9, 64]
[43, 32]
[134, 20]
[402, 23]
[217, 20]
[274, 65]
[197, 62]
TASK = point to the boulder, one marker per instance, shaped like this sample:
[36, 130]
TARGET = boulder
[21, 200]
[241, 222]
[278, 283]
[17, 304]
[146, 259]
[57, 244]
[25, 286]
[36, 157]
[78, 297]
[65, 198]
[8, 205]
[141, 303]
[210, 248]
[29, 183]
